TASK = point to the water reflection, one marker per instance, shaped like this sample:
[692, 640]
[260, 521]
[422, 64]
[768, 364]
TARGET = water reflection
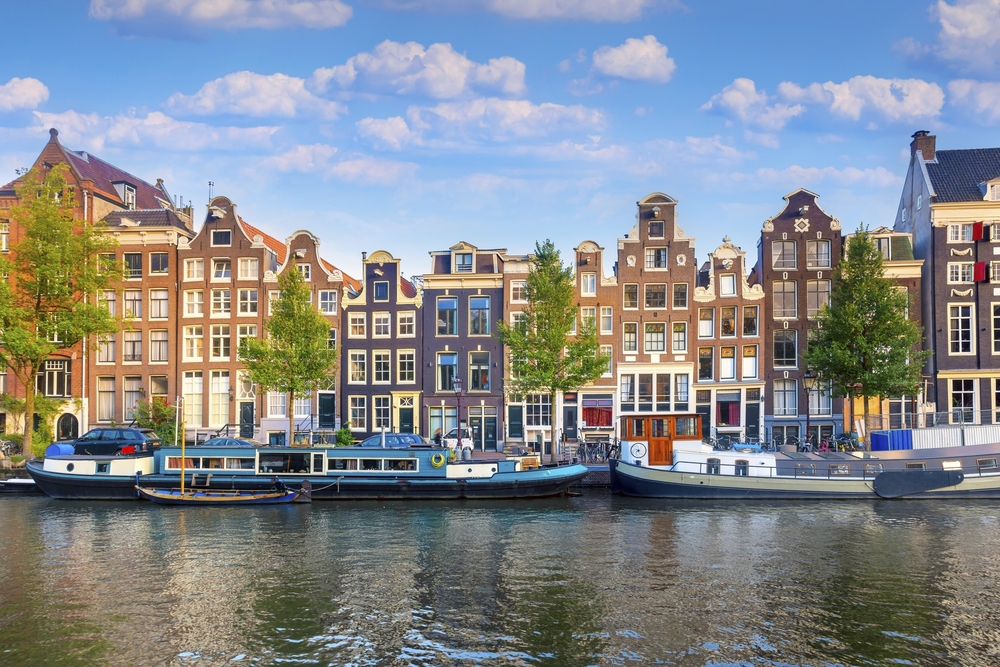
[584, 581]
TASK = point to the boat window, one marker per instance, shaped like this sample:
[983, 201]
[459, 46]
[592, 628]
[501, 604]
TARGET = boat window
[638, 428]
[401, 464]
[951, 465]
[317, 462]
[371, 464]
[342, 464]
[189, 462]
[239, 464]
[742, 467]
[713, 467]
[986, 463]
[211, 463]
[805, 469]
[658, 428]
[686, 427]
[840, 469]
[873, 468]
[104, 467]
[916, 466]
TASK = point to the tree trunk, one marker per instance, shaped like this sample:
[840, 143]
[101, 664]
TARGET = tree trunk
[553, 429]
[291, 419]
[868, 438]
[29, 417]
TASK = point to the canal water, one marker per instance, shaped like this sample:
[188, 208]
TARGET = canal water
[591, 580]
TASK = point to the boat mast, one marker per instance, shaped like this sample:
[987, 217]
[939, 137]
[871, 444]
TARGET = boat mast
[177, 423]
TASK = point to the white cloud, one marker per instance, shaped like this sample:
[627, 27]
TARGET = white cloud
[640, 59]
[226, 14]
[983, 99]
[589, 10]
[894, 99]
[437, 71]
[25, 93]
[574, 151]
[969, 35]
[155, 130]
[302, 158]
[795, 176]
[390, 133]
[743, 101]
[498, 119]
[764, 139]
[250, 94]
[318, 158]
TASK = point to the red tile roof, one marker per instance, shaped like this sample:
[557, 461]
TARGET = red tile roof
[354, 284]
[274, 244]
[409, 290]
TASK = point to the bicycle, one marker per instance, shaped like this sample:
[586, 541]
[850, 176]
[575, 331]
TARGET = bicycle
[8, 448]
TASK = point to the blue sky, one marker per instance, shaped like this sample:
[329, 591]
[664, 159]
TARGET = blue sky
[408, 125]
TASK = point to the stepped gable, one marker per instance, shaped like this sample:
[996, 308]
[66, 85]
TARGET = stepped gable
[957, 174]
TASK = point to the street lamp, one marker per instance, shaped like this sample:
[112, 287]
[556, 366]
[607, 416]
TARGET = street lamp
[809, 382]
[456, 384]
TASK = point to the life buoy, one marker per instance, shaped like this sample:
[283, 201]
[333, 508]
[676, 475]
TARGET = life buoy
[437, 460]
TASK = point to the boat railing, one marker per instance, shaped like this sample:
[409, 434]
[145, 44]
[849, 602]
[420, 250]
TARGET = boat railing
[813, 469]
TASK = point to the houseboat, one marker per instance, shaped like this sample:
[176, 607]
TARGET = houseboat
[663, 456]
[348, 473]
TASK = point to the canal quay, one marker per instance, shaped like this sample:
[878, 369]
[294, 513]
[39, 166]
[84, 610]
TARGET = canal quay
[583, 580]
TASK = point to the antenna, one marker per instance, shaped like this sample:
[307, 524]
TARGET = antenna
[211, 184]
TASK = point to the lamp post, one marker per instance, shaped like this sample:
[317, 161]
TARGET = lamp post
[809, 382]
[456, 384]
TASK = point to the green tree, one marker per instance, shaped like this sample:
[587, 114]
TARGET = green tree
[294, 357]
[864, 343]
[155, 413]
[55, 269]
[545, 353]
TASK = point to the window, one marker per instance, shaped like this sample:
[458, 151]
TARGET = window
[406, 372]
[607, 320]
[194, 269]
[588, 284]
[821, 400]
[607, 351]
[381, 412]
[107, 299]
[630, 334]
[220, 342]
[681, 392]
[356, 325]
[680, 337]
[158, 348]
[960, 272]
[680, 295]
[359, 415]
[727, 363]
[222, 237]
[786, 403]
[960, 329]
[656, 258]
[727, 322]
[479, 316]
[598, 410]
[645, 392]
[627, 392]
[519, 290]
[817, 296]
[479, 371]
[630, 294]
[706, 323]
[248, 302]
[132, 346]
[159, 302]
[4, 236]
[447, 316]
[727, 285]
[250, 331]
[358, 367]
[133, 303]
[106, 349]
[996, 328]
[447, 368]
[192, 392]
[405, 323]
[463, 263]
[249, 268]
[785, 344]
[959, 233]
[381, 325]
[158, 385]
[272, 298]
[588, 316]
[129, 198]
[381, 367]
[818, 254]
[884, 247]
[105, 399]
[963, 401]
[749, 320]
[222, 269]
[221, 302]
[783, 254]
[656, 296]
[331, 339]
[133, 265]
[750, 368]
[656, 334]
[305, 270]
[656, 229]
[328, 302]
[382, 290]
[194, 338]
[706, 360]
[194, 302]
[218, 408]
[277, 404]
[158, 263]
[538, 410]
[785, 306]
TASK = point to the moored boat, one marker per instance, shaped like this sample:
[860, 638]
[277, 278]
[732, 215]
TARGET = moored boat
[207, 498]
[663, 457]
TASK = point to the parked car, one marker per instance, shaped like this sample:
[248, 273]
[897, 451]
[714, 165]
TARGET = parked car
[451, 438]
[115, 441]
[394, 440]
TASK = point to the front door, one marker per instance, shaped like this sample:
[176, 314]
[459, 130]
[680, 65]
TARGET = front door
[476, 426]
[515, 422]
[490, 434]
[661, 447]
[406, 420]
[753, 420]
[569, 422]
[327, 410]
[246, 419]
[68, 427]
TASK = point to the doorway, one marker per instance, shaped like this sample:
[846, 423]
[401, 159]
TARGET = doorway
[569, 422]
[327, 408]
[405, 420]
[67, 428]
[246, 419]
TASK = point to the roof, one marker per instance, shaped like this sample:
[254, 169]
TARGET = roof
[279, 248]
[408, 288]
[353, 284]
[158, 217]
[956, 174]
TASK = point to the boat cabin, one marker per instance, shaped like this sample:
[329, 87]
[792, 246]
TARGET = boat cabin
[650, 439]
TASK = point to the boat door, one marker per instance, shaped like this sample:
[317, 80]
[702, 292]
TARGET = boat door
[246, 419]
[661, 446]
[405, 420]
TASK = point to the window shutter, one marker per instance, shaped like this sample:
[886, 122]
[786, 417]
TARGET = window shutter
[977, 231]
[979, 272]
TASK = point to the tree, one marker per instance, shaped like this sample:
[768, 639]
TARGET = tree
[48, 304]
[156, 414]
[864, 343]
[294, 357]
[545, 352]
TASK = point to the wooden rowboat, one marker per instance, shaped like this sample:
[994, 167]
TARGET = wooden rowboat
[207, 497]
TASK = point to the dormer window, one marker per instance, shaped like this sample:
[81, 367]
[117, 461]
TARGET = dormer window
[382, 291]
[463, 262]
[884, 247]
[130, 197]
[305, 270]
[222, 237]
[994, 193]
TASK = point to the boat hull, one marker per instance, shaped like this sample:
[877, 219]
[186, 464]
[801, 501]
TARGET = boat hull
[632, 480]
[216, 498]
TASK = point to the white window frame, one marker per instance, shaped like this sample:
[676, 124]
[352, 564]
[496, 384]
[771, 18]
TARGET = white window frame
[588, 284]
[952, 320]
[328, 301]
[194, 269]
[357, 367]
[406, 324]
[357, 325]
[381, 325]
[249, 268]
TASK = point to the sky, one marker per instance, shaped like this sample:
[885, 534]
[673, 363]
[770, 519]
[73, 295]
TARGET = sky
[411, 125]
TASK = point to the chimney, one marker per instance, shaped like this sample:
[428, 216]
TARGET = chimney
[364, 256]
[923, 141]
